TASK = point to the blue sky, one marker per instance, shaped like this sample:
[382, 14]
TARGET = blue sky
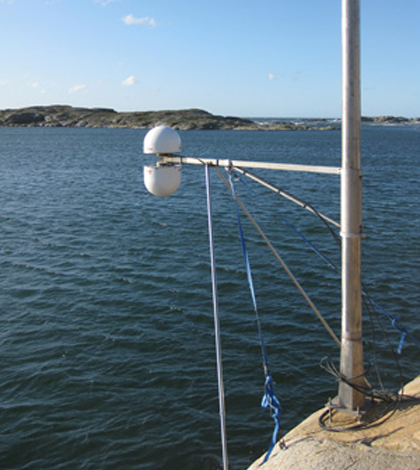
[279, 58]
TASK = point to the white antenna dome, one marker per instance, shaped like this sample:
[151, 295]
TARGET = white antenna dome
[162, 139]
[162, 180]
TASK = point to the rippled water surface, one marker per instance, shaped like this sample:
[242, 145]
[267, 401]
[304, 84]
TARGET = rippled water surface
[106, 334]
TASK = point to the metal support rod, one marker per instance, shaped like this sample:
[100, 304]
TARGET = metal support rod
[286, 195]
[217, 328]
[351, 361]
[280, 260]
[250, 164]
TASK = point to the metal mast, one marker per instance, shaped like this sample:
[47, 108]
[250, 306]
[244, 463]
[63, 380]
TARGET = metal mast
[351, 361]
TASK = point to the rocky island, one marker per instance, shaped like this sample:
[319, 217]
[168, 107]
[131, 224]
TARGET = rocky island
[390, 120]
[187, 119]
[184, 119]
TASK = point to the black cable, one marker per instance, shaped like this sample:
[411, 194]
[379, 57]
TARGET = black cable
[325, 222]
[384, 334]
[374, 394]
[390, 402]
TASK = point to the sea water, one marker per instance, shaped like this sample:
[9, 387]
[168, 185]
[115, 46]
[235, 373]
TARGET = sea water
[106, 337]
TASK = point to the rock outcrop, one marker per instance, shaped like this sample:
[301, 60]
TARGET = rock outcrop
[390, 120]
[67, 116]
[389, 440]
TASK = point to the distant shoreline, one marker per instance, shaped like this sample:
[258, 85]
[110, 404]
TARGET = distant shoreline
[185, 119]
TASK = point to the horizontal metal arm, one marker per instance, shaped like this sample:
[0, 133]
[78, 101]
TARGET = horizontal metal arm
[249, 164]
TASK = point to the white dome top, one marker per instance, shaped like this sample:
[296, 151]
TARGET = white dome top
[162, 139]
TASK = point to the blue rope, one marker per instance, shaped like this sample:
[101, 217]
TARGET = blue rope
[393, 319]
[310, 244]
[400, 328]
[269, 399]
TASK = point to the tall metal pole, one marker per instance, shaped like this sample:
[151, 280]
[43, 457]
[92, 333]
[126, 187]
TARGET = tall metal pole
[351, 361]
[217, 340]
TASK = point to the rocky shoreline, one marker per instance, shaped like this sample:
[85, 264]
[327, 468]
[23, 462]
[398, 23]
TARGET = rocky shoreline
[390, 440]
[186, 119]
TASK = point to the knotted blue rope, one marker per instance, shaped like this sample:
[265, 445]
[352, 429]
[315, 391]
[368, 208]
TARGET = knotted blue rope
[269, 399]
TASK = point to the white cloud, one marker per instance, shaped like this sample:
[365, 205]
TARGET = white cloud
[4, 82]
[129, 81]
[146, 21]
[105, 2]
[271, 76]
[76, 88]
[37, 87]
